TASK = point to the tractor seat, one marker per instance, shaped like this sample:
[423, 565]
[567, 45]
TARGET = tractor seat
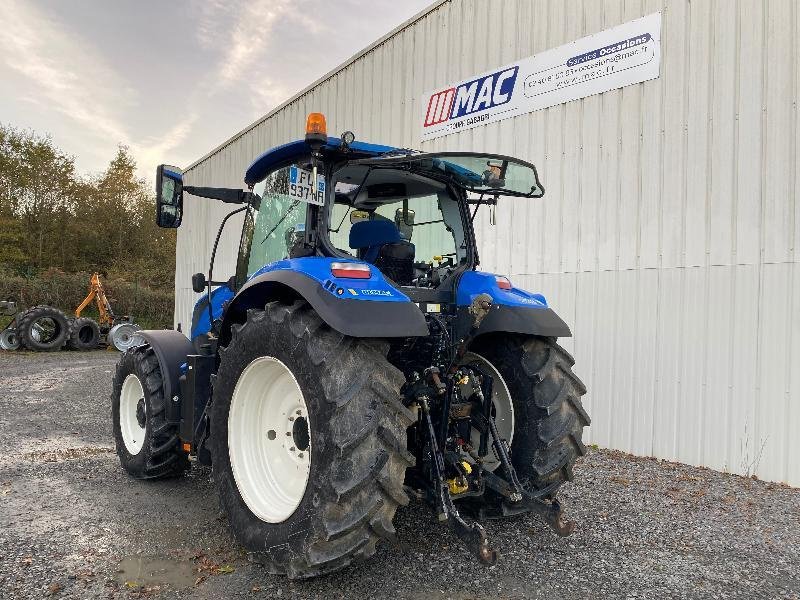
[380, 243]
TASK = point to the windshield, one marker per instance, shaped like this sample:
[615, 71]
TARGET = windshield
[407, 225]
[275, 229]
[489, 174]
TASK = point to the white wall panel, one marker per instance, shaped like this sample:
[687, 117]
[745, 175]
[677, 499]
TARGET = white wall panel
[668, 234]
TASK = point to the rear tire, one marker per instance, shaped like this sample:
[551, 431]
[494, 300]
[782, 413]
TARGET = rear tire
[548, 414]
[43, 329]
[147, 445]
[84, 334]
[356, 432]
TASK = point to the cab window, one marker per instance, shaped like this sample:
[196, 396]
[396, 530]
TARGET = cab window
[402, 217]
[274, 230]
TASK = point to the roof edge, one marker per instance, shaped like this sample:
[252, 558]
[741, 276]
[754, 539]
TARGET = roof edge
[417, 17]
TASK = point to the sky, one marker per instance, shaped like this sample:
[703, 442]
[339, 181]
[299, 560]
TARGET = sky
[170, 80]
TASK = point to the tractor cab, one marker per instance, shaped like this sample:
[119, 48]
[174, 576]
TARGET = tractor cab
[407, 214]
[367, 223]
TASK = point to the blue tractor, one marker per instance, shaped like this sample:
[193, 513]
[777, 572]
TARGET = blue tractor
[357, 358]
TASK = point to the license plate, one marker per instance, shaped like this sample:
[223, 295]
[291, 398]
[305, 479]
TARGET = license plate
[302, 188]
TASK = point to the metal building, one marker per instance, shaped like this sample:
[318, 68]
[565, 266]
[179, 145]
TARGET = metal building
[668, 235]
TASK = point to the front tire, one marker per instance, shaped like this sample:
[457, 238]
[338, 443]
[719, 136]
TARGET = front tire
[147, 445]
[283, 360]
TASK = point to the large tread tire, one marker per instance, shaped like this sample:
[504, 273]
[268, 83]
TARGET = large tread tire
[161, 455]
[84, 334]
[26, 325]
[548, 414]
[358, 442]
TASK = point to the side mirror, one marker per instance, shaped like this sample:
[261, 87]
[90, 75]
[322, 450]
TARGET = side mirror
[199, 283]
[169, 196]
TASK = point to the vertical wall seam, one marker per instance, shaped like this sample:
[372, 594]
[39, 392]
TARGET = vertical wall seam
[793, 241]
[639, 382]
[581, 166]
[660, 213]
[562, 161]
[635, 365]
[639, 145]
[687, 65]
[735, 324]
[757, 396]
[707, 227]
[618, 99]
[787, 402]
[582, 108]
[736, 96]
[793, 267]
[546, 137]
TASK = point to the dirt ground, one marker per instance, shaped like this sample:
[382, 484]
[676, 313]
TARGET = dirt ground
[73, 525]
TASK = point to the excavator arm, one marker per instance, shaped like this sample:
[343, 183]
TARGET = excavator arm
[98, 294]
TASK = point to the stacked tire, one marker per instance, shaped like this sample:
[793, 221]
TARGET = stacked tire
[43, 329]
[47, 329]
[84, 334]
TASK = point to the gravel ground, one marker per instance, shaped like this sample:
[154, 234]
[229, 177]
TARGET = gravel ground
[73, 525]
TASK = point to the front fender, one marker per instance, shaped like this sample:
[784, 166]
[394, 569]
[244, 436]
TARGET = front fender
[171, 349]
[355, 307]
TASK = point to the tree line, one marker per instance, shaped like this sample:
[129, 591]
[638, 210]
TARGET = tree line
[57, 226]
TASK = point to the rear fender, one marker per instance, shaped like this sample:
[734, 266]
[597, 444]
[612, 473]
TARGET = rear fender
[513, 311]
[357, 308]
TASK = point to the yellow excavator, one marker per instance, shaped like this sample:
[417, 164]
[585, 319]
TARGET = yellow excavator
[85, 333]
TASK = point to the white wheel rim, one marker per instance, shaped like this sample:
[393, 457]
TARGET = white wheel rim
[132, 395]
[270, 457]
[503, 406]
[9, 340]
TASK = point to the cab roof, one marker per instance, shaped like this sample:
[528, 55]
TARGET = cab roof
[286, 153]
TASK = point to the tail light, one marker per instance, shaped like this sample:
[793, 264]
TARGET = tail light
[503, 283]
[350, 270]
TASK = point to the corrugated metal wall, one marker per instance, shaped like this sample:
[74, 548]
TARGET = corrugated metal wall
[668, 234]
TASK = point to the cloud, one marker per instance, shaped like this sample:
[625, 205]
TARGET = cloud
[92, 85]
[267, 95]
[152, 151]
[72, 78]
[82, 87]
[242, 33]
[212, 21]
[252, 57]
